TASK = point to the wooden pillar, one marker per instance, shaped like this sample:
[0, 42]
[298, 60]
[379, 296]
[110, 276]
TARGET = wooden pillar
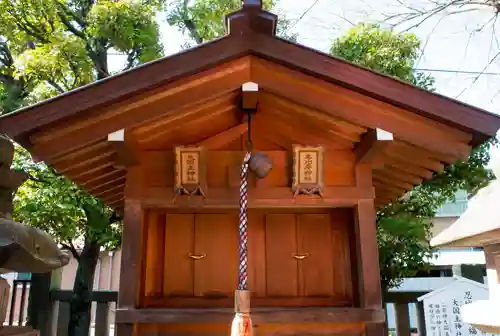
[130, 263]
[369, 290]
[40, 306]
[402, 319]
[421, 319]
[102, 319]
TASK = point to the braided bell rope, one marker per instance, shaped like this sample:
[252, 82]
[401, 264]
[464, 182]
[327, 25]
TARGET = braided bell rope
[243, 224]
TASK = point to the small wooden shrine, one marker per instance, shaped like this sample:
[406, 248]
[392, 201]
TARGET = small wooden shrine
[164, 143]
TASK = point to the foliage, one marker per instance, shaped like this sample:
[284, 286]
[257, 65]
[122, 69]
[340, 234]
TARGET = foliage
[203, 20]
[384, 51]
[47, 48]
[53, 203]
[404, 227]
[59, 45]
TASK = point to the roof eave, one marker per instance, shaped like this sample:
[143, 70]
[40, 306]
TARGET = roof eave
[481, 124]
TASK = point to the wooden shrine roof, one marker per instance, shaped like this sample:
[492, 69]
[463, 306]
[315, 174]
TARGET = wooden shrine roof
[299, 88]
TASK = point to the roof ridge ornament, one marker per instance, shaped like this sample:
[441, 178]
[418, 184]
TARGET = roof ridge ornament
[247, 3]
[251, 18]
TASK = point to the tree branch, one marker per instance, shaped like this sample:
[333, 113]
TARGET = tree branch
[67, 23]
[28, 28]
[6, 58]
[55, 85]
[191, 27]
[70, 247]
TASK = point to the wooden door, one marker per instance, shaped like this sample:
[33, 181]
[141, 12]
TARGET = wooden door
[216, 241]
[307, 259]
[314, 237]
[200, 258]
[179, 269]
[281, 244]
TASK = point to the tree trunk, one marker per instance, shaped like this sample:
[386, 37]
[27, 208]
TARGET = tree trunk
[80, 304]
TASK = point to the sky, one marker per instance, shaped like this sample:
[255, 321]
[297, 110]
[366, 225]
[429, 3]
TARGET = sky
[451, 43]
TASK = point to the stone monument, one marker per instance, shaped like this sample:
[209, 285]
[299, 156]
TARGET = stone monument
[443, 308]
[22, 248]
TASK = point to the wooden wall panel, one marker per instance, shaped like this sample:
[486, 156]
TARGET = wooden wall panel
[178, 267]
[154, 250]
[223, 169]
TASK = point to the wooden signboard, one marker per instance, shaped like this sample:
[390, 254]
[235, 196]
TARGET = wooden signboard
[307, 170]
[190, 172]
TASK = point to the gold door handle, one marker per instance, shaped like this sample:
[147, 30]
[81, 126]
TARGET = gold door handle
[300, 256]
[197, 256]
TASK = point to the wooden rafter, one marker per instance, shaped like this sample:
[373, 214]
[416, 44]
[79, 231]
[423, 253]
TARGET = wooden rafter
[415, 156]
[124, 148]
[109, 176]
[85, 160]
[336, 126]
[166, 122]
[354, 107]
[385, 180]
[302, 128]
[202, 86]
[407, 167]
[370, 150]
[182, 128]
[219, 140]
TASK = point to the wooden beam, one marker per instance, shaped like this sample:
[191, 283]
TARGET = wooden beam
[250, 96]
[259, 315]
[333, 196]
[219, 140]
[372, 146]
[123, 146]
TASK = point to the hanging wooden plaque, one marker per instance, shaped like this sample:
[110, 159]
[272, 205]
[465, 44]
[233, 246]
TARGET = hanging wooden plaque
[307, 170]
[190, 177]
